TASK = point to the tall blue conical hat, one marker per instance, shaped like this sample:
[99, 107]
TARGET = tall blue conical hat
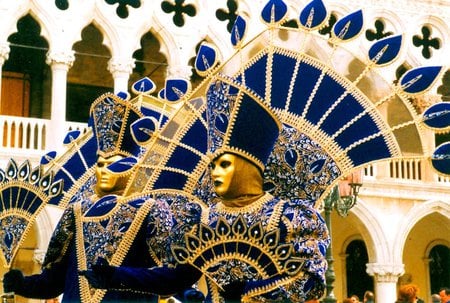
[240, 123]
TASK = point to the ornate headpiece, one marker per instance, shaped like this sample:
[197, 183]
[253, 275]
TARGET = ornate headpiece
[240, 123]
[111, 118]
[337, 110]
[334, 116]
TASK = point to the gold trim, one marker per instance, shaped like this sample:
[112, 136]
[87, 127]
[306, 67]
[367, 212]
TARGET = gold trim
[118, 256]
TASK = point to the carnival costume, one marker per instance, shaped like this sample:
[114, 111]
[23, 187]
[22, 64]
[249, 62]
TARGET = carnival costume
[262, 248]
[273, 249]
[130, 231]
[268, 250]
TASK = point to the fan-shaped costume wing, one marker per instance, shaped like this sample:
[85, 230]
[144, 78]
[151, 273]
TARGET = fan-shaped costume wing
[24, 191]
[338, 112]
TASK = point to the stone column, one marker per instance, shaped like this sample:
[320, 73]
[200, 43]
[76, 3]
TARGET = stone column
[386, 277]
[4, 55]
[121, 70]
[59, 62]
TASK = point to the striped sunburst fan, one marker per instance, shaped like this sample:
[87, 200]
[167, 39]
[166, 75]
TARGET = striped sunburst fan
[339, 112]
[24, 191]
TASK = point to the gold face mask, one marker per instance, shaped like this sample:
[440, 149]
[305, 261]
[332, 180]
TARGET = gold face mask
[107, 182]
[235, 177]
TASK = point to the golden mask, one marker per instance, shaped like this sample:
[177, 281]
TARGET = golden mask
[108, 182]
[235, 177]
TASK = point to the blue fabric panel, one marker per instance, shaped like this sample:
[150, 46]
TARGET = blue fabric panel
[361, 129]
[172, 180]
[197, 137]
[62, 175]
[327, 94]
[152, 113]
[183, 159]
[437, 115]
[319, 14]
[255, 131]
[103, 206]
[128, 142]
[6, 196]
[275, 9]
[346, 110]
[304, 85]
[349, 26]
[255, 76]
[283, 69]
[75, 165]
[375, 149]
[421, 78]
[16, 197]
[32, 208]
[137, 203]
[207, 255]
[89, 151]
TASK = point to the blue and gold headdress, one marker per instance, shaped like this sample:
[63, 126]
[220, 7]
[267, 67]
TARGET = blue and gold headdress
[111, 118]
[335, 107]
[240, 123]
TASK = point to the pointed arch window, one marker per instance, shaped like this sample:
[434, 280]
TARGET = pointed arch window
[439, 267]
[358, 280]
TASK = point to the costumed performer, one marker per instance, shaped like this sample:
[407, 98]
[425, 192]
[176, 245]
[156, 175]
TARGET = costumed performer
[105, 226]
[255, 247]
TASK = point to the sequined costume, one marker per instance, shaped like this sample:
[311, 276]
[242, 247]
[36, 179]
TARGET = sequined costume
[129, 232]
[298, 224]
[107, 226]
[255, 247]
[295, 226]
[264, 250]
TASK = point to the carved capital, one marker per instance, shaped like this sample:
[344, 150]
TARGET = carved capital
[385, 272]
[65, 58]
[118, 65]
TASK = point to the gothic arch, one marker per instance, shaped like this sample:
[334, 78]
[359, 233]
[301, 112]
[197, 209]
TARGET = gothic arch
[9, 25]
[426, 257]
[373, 234]
[412, 217]
[433, 244]
[174, 49]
